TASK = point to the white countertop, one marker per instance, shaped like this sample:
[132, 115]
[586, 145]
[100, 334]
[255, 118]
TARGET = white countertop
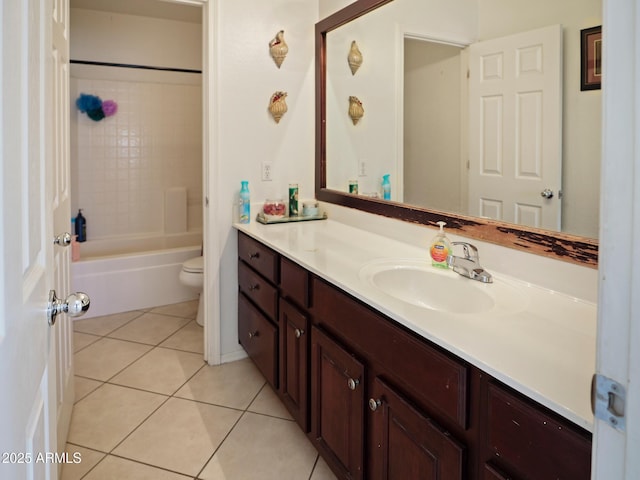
[545, 350]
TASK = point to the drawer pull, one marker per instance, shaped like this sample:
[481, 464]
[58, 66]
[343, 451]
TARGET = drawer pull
[299, 333]
[352, 383]
[253, 256]
[254, 287]
[253, 334]
[374, 403]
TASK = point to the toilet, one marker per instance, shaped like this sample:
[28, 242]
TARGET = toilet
[192, 275]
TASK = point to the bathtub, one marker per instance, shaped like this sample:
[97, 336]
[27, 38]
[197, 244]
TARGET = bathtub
[129, 273]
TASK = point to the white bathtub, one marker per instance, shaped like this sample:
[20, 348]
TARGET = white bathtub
[128, 273]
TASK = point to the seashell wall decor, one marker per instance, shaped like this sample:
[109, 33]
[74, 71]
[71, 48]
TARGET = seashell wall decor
[278, 48]
[355, 109]
[354, 58]
[277, 105]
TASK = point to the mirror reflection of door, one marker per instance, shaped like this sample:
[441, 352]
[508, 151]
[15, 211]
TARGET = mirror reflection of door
[510, 101]
[515, 128]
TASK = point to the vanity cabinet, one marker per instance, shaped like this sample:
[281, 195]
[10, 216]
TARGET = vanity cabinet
[529, 442]
[380, 402]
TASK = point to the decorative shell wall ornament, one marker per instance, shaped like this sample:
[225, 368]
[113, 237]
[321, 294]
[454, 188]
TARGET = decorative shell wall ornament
[277, 105]
[355, 109]
[354, 58]
[278, 48]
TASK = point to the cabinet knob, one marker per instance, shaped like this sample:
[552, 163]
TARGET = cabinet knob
[299, 333]
[374, 403]
[253, 334]
[253, 256]
[352, 383]
[254, 287]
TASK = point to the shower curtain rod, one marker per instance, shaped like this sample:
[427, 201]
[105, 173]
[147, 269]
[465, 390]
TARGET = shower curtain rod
[127, 65]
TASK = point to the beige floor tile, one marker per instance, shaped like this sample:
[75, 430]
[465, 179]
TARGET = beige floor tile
[322, 471]
[162, 370]
[105, 324]
[180, 436]
[268, 403]
[112, 468]
[275, 448]
[88, 459]
[106, 416]
[106, 357]
[184, 310]
[84, 386]
[189, 338]
[150, 328]
[232, 385]
[81, 340]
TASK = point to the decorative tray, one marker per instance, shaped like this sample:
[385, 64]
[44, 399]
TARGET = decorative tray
[261, 218]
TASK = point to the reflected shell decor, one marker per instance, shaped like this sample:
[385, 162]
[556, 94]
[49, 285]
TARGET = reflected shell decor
[278, 48]
[355, 109]
[354, 58]
[278, 106]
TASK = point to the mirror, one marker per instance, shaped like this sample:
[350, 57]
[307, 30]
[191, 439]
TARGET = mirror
[347, 152]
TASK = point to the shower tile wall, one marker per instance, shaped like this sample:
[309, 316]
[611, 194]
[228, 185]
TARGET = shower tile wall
[123, 164]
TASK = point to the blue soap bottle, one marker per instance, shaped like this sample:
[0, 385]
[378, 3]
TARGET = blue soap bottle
[386, 187]
[245, 202]
[81, 227]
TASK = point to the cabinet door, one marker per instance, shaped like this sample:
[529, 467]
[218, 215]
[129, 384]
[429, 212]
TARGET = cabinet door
[294, 357]
[259, 337]
[337, 405]
[406, 444]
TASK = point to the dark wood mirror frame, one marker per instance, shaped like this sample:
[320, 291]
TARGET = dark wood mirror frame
[561, 246]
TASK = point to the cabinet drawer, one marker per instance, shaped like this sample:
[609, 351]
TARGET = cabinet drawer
[535, 443]
[259, 337]
[294, 282]
[261, 292]
[430, 376]
[261, 258]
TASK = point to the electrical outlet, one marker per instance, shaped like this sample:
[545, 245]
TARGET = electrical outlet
[267, 171]
[362, 168]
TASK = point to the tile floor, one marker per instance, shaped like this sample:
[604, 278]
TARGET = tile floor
[148, 407]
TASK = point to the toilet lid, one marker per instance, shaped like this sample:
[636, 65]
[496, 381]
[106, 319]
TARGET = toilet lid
[194, 265]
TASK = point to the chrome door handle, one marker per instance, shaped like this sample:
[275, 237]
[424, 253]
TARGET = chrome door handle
[75, 305]
[546, 193]
[63, 240]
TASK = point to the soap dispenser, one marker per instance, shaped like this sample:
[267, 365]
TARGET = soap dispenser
[440, 248]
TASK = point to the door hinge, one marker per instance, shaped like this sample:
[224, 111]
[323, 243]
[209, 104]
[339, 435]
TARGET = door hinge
[608, 399]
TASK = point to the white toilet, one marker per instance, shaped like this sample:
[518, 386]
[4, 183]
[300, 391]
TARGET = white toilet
[192, 275]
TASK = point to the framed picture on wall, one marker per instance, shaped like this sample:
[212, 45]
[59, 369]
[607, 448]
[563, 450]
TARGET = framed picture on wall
[591, 58]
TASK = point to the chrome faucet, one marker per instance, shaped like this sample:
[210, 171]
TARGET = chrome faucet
[469, 265]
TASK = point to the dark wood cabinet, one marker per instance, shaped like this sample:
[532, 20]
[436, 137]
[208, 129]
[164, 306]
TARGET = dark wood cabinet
[380, 402]
[337, 403]
[259, 337]
[407, 444]
[531, 442]
[294, 361]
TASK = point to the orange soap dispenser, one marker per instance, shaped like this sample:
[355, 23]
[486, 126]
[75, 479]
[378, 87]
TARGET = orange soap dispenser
[440, 248]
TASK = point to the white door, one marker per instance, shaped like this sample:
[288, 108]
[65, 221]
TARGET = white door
[615, 454]
[60, 201]
[30, 159]
[515, 128]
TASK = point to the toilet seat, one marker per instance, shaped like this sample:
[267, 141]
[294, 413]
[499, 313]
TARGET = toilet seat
[194, 265]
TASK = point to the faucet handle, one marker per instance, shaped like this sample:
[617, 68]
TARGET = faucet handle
[470, 251]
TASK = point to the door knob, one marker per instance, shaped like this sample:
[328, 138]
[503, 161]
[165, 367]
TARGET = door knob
[546, 193]
[63, 240]
[75, 305]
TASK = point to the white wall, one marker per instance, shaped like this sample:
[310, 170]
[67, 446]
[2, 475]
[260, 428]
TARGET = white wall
[247, 135]
[122, 165]
[582, 110]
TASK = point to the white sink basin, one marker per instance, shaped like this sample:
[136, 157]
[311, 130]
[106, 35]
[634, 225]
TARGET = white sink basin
[416, 282]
